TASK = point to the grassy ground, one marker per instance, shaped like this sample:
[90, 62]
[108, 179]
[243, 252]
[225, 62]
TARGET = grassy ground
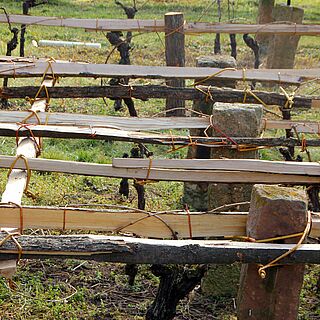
[70, 289]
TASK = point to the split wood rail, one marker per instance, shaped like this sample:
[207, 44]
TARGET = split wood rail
[139, 25]
[148, 224]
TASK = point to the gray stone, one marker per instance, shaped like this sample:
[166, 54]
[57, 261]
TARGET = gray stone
[217, 61]
[235, 120]
[196, 194]
[274, 211]
[282, 48]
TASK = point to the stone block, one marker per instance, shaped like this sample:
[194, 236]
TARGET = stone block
[274, 211]
[282, 48]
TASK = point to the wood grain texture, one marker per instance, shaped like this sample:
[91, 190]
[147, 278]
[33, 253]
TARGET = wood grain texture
[75, 69]
[109, 220]
[106, 170]
[284, 167]
[146, 92]
[203, 224]
[28, 148]
[134, 250]
[144, 124]
[158, 25]
[114, 134]
[111, 122]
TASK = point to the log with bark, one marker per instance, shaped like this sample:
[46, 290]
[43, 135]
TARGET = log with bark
[146, 92]
[148, 251]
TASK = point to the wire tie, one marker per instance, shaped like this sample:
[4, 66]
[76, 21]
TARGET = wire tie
[262, 269]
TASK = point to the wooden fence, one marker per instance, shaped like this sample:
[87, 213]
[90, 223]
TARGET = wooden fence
[29, 128]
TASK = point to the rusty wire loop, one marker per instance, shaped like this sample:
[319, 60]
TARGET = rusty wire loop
[273, 263]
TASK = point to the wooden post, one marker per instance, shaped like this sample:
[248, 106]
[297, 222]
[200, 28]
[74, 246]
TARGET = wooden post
[282, 49]
[274, 211]
[175, 56]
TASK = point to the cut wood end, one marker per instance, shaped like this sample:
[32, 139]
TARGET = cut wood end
[173, 13]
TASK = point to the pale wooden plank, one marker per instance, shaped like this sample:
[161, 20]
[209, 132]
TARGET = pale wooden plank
[283, 167]
[17, 179]
[203, 224]
[140, 25]
[76, 69]
[120, 123]
[106, 170]
[28, 148]
[98, 133]
[300, 126]
[145, 124]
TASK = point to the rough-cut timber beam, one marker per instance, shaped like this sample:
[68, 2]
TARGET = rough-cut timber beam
[285, 167]
[121, 123]
[134, 250]
[132, 221]
[160, 92]
[106, 170]
[144, 124]
[143, 224]
[158, 25]
[98, 133]
[18, 69]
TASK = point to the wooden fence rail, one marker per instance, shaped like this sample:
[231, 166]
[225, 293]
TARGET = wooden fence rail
[161, 92]
[133, 250]
[114, 134]
[139, 25]
[160, 225]
[17, 69]
[142, 124]
[194, 175]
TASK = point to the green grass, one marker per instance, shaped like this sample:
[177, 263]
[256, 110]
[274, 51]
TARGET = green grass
[41, 282]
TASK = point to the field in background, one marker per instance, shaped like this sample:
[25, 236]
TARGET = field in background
[100, 291]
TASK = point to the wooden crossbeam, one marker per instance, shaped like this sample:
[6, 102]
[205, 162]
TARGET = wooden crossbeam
[120, 123]
[114, 134]
[158, 25]
[159, 225]
[134, 250]
[203, 224]
[194, 175]
[285, 167]
[20, 69]
[162, 92]
[143, 124]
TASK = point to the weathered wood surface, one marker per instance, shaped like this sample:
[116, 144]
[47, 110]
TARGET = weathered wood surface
[114, 134]
[160, 92]
[28, 148]
[17, 180]
[143, 224]
[175, 56]
[120, 123]
[158, 25]
[106, 170]
[144, 124]
[274, 211]
[134, 250]
[76, 69]
[285, 167]
[203, 224]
